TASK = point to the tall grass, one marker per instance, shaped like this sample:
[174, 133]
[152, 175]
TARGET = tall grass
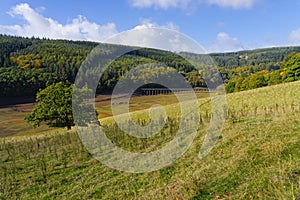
[257, 157]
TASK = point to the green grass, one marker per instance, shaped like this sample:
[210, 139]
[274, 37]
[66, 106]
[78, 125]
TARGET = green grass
[257, 157]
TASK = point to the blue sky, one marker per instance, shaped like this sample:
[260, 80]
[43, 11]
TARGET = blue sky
[219, 25]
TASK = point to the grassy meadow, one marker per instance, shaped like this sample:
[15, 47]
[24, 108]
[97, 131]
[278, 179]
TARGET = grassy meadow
[257, 156]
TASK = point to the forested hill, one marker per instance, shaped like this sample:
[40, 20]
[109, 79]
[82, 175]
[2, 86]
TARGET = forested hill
[264, 56]
[29, 64]
[13, 46]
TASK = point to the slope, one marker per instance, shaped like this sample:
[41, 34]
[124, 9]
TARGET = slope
[257, 157]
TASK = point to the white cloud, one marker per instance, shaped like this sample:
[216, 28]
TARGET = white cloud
[80, 28]
[165, 4]
[147, 23]
[39, 26]
[235, 4]
[294, 37]
[225, 43]
[151, 35]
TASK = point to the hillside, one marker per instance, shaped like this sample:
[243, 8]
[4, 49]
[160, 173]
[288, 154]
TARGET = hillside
[29, 64]
[263, 56]
[17, 46]
[257, 157]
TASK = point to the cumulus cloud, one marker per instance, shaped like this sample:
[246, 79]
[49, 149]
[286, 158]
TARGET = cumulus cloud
[151, 35]
[294, 37]
[235, 4]
[147, 23]
[225, 43]
[166, 4]
[37, 25]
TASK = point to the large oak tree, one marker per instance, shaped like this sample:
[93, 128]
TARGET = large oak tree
[54, 106]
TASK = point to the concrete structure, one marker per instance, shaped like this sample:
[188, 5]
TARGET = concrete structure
[156, 91]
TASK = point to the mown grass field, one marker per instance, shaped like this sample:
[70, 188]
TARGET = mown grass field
[257, 157]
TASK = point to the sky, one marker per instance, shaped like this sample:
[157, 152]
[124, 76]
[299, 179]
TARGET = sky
[218, 25]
